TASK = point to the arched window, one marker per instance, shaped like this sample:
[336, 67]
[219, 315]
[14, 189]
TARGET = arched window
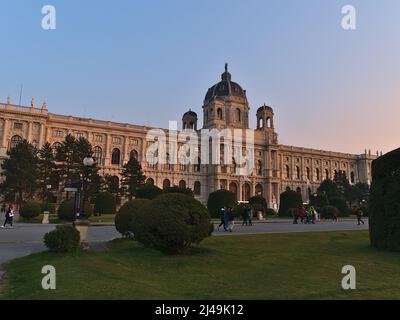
[197, 188]
[326, 174]
[98, 155]
[116, 157]
[287, 172]
[317, 174]
[55, 147]
[182, 184]
[150, 182]
[219, 113]
[259, 167]
[233, 188]
[166, 184]
[261, 122]
[352, 177]
[298, 173]
[246, 194]
[15, 140]
[259, 190]
[238, 115]
[197, 166]
[308, 173]
[269, 124]
[134, 155]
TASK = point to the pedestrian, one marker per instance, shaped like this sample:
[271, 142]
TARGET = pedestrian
[222, 217]
[250, 216]
[360, 213]
[295, 213]
[334, 216]
[230, 219]
[245, 216]
[9, 217]
[302, 214]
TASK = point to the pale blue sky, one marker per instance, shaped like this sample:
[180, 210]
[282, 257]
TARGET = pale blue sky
[146, 62]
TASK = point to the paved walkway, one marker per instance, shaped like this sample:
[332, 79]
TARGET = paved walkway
[26, 239]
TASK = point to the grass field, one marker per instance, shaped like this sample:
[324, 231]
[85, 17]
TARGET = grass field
[270, 266]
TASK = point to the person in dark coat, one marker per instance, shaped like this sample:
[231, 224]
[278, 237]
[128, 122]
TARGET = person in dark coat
[223, 218]
[231, 219]
[9, 217]
[359, 216]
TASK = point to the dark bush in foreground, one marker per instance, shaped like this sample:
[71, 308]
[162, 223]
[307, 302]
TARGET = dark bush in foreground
[289, 200]
[123, 219]
[258, 203]
[171, 223]
[148, 191]
[384, 210]
[64, 239]
[328, 212]
[30, 210]
[105, 203]
[220, 199]
[270, 212]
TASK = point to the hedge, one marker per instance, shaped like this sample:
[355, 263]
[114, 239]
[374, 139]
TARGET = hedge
[289, 200]
[220, 199]
[105, 203]
[384, 210]
[64, 239]
[31, 209]
[124, 217]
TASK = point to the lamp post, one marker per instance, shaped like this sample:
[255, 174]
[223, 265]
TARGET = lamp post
[87, 163]
[82, 224]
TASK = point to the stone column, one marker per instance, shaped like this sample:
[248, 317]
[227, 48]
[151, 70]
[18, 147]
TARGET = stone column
[5, 130]
[107, 151]
[29, 135]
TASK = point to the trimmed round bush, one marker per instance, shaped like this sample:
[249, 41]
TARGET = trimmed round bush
[341, 205]
[219, 199]
[105, 203]
[31, 209]
[171, 223]
[64, 239]
[258, 203]
[328, 212]
[384, 209]
[124, 217]
[289, 200]
[66, 210]
[148, 191]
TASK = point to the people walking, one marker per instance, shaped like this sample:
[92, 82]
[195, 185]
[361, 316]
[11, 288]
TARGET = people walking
[250, 216]
[231, 219]
[245, 217]
[223, 218]
[335, 216]
[302, 214]
[9, 217]
[360, 214]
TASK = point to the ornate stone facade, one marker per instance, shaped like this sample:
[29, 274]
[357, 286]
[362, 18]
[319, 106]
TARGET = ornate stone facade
[225, 106]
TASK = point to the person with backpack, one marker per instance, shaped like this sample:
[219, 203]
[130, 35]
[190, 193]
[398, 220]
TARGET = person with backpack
[359, 216]
[9, 217]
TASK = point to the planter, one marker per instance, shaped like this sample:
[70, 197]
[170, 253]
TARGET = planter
[82, 226]
[45, 219]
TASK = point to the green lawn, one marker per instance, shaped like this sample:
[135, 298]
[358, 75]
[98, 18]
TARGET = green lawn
[271, 266]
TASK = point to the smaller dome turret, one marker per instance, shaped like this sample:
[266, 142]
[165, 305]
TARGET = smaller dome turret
[189, 120]
[265, 118]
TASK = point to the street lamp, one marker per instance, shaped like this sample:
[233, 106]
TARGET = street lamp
[87, 162]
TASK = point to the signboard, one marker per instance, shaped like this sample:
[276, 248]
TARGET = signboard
[72, 186]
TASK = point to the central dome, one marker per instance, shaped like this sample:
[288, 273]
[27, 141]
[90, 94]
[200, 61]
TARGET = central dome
[225, 88]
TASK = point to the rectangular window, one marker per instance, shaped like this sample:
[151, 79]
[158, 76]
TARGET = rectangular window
[98, 138]
[58, 133]
[18, 125]
[79, 135]
[117, 140]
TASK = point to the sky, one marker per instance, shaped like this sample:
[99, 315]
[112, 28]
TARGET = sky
[147, 62]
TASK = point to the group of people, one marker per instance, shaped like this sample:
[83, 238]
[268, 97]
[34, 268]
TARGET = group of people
[227, 219]
[306, 216]
[9, 215]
